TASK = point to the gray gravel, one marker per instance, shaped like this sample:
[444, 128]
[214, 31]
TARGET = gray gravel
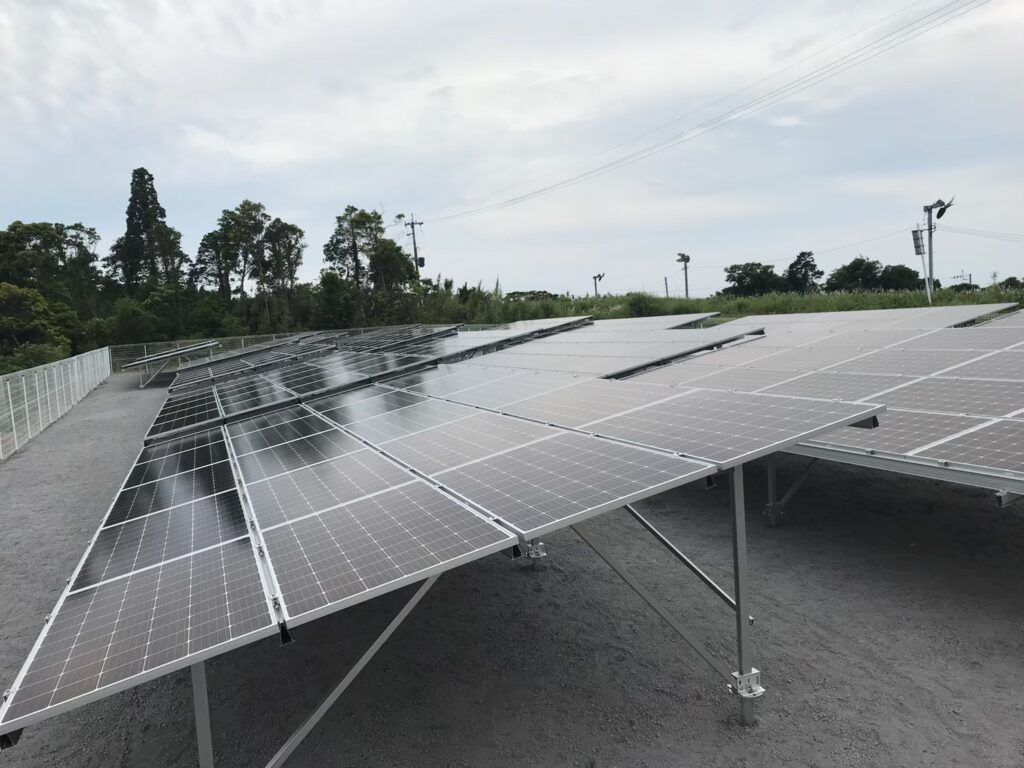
[890, 629]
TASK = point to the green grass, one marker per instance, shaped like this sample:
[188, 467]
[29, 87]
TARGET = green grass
[642, 305]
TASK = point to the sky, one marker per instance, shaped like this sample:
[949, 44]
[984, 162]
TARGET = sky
[444, 107]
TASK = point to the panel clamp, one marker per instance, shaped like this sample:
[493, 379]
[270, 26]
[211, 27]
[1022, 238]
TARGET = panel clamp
[748, 685]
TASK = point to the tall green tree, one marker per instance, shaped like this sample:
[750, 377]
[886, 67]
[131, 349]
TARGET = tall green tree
[150, 249]
[752, 279]
[896, 277]
[216, 260]
[859, 275]
[285, 245]
[802, 274]
[357, 233]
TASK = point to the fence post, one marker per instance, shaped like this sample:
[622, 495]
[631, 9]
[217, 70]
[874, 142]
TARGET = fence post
[24, 407]
[14, 427]
[39, 404]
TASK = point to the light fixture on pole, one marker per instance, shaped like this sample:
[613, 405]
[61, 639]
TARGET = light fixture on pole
[919, 251]
[685, 260]
[941, 206]
[597, 278]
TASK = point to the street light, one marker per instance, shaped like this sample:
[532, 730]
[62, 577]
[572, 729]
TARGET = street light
[941, 206]
[597, 278]
[684, 260]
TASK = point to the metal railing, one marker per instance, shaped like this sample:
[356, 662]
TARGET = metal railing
[122, 354]
[32, 399]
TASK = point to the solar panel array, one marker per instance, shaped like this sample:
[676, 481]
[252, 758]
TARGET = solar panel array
[284, 502]
[948, 389]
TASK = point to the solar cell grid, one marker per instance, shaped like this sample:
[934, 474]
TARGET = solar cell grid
[728, 428]
[173, 463]
[999, 446]
[740, 379]
[462, 441]
[347, 554]
[277, 433]
[179, 444]
[906, 362]
[980, 337]
[170, 491]
[803, 359]
[295, 454]
[835, 386]
[406, 421]
[269, 419]
[506, 390]
[104, 635]
[347, 410]
[977, 397]
[322, 486]
[171, 533]
[555, 482]
[900, 432]
[589, 400]
[1008, 365]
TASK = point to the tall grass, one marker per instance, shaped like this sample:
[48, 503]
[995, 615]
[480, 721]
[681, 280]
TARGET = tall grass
[491, 309]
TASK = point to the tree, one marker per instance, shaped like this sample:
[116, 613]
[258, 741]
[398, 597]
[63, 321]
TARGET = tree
[58, 260]
[216, 260]
[149, 249]
[1012, 283]
[896, 277]
[356, 235]
[752, 279]
[859, 275]
[802, 274]
[285, 244]
[26, 319]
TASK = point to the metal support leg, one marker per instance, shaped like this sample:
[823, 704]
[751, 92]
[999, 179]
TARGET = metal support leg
[296, 738]
[747, 683]
[772, 511]
[204, 737]
[775, 509]
[648, 598]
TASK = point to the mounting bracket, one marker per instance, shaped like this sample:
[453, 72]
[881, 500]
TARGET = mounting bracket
[747, 685]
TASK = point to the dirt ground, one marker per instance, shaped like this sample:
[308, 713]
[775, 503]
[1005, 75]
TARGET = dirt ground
[889, 628]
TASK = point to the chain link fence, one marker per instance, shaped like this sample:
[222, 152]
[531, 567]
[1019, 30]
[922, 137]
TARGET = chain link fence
[32, 399]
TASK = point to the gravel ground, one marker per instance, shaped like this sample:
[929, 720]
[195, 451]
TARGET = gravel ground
[890, 630]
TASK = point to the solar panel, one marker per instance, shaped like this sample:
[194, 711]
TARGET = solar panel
[363, 404]
[803, 359]
[405, 421]
[171, 353]
[1007, 365]
[463, 441]
[728, 428]
[906, 362]
[999, 445]
[347, 554]
[900, 431]
[171, 462]
[556, 482]
[294, 454]
[1011, 320]
[315, 488]
[739, 379]
[185, 411]
[170, 491]
[589, 400]
[980, 337]
[834, 386]
[521, 385]
[104, 638]
[252, 394]
[144, 541]
[977, 397]
[682, 373]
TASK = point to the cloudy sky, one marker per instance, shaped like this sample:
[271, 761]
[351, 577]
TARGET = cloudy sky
[442, 107]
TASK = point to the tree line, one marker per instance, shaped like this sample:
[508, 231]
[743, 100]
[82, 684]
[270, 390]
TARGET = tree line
[803, 276]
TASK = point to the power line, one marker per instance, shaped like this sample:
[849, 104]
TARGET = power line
[1010, 237]
[730, 95]
[899, 36]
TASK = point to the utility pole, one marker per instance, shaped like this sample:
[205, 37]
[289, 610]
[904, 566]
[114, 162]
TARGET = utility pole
[597, 278]
[685, 261]
[412, 224]
[942, 207]
[666, 287]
